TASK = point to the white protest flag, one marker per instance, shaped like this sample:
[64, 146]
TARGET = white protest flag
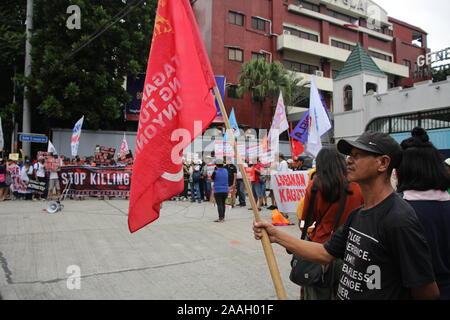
[279, 123]
[51, 148]
[1, 136]
[319, 123]
[76, 133]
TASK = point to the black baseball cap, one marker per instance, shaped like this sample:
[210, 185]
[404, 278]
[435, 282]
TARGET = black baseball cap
[374, 142]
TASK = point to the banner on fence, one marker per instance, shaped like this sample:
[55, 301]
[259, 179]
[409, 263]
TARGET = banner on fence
[96, 181]
[288, 189]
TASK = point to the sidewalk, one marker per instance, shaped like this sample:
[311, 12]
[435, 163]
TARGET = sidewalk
[182, 255]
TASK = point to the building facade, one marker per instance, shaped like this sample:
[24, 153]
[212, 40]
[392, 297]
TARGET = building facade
[313, 37]
[363, 101]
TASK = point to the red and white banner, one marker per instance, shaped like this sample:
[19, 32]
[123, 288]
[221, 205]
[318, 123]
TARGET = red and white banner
[17, 184]
[177, 106]
[289, 189]
[96, 181]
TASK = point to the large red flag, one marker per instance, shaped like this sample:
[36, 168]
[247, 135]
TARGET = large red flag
[296, 146]
[177, 106]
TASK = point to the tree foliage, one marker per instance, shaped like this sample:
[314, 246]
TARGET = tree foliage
[74, 73]
[12, 48]
[264, 81]
[67, 83]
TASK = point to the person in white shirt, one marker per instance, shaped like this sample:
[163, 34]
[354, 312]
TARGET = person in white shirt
[26, 172]
[39, 172]
[54, 179]
[283, 165]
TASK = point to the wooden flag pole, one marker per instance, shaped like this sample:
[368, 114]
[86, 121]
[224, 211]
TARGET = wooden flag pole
[267, 246]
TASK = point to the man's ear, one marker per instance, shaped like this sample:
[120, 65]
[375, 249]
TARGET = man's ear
[384, 163]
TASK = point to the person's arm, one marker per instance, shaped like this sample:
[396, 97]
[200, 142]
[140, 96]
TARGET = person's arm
[427, 292]
[307, 250]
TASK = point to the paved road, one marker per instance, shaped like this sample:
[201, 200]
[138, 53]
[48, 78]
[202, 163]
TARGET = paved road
[182, 255]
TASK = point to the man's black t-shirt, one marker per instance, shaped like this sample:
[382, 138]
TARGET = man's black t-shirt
[231, 171]
[384, 251]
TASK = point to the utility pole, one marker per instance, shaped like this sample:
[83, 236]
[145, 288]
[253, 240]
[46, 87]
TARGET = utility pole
[26, 121]
[13, 135]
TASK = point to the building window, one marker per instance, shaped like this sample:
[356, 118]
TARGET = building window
[257, 55]
[258, 24]
[342, 45]
[341, 16]
[301, 34]
[300, 67]
[232, 92]
[335, 73]
[309, 6]
[235, 54]
[235, 18]
[348, 98]
[380, 56]
[371, 88]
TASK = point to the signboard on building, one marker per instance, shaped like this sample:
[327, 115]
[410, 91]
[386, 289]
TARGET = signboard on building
[432, 63]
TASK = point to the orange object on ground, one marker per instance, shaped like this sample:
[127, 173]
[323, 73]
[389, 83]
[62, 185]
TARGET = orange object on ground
[278, 219]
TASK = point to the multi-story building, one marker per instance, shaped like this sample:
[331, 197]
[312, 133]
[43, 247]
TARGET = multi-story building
[313, 37]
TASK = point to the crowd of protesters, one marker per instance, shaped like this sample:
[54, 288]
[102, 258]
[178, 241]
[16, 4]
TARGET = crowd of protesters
[15, 175]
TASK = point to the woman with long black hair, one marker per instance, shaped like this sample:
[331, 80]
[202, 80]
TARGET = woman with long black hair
[329, 184]
[424, 181]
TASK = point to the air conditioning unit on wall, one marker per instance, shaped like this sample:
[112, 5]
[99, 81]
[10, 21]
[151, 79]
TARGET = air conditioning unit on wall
[319, 73]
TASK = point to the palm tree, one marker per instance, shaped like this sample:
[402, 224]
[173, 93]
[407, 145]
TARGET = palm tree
[265, 81]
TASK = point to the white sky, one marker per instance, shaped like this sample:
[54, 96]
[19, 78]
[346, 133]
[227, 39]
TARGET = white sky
[429, 15]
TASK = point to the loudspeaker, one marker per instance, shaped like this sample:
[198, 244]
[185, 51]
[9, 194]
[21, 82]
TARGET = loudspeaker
[54, 206]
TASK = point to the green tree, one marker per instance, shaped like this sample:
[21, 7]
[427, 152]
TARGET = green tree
[264, 81]
[12, 48]
[82, 71]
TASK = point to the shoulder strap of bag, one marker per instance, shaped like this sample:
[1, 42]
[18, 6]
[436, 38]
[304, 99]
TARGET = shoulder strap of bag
[340, 211]
[309, 212]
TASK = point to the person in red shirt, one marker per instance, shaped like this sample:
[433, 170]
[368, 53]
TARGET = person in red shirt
[258, 186]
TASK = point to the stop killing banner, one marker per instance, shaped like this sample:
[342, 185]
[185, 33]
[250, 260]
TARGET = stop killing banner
[289, 188]
[96, 181]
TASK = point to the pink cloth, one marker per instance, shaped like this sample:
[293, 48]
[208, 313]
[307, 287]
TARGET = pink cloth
[430, 195]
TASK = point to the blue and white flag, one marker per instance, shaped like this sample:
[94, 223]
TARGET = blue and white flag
[76, 134]
[319, 123]
[234, 126]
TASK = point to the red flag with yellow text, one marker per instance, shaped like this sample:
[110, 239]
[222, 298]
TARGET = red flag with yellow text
[177, 106]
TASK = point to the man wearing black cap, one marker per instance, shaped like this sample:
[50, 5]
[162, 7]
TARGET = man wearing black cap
[382, 243]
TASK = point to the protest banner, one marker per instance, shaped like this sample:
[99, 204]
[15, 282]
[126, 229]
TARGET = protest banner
[96, 181]
[104, 155]
[17, 184]
[125, 158]
[289, 188]
[14, 157]
[37, 186]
